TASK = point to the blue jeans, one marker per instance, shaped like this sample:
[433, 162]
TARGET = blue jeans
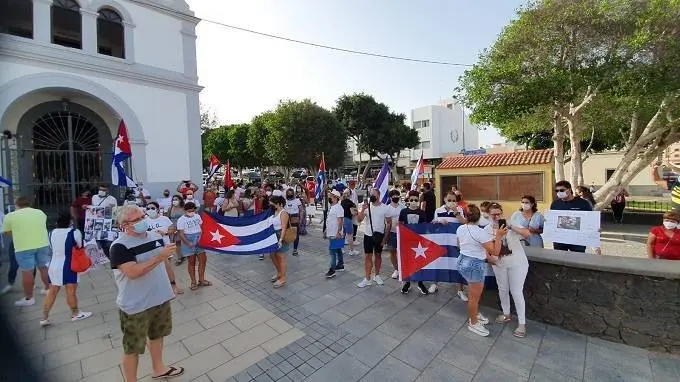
[336, 258]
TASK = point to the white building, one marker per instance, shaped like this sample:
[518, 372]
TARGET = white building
[444, 129]
[72, 69]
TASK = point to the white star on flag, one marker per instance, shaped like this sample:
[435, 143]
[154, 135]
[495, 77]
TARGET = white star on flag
[420, 250]
[216, 236]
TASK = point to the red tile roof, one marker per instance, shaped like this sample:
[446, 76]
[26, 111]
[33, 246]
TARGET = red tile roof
[530, 157]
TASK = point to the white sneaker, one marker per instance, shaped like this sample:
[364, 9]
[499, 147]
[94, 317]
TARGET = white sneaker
[6, 289]
[378, 280]
[44, 323]
[462, 295]
[432, 289]
[364, 283]
[482, 319]
[478, 328]
[44, 292]
[395, 274]
[81, 316]
[25, 302]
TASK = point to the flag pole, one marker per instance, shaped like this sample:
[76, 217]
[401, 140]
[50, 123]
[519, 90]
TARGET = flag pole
[325, 194]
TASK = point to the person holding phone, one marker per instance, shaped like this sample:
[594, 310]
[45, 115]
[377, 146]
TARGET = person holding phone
[511, 268]
[144, 293]
[379, 222]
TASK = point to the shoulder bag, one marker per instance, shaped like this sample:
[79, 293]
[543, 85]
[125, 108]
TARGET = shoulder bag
[291, 232]
[80, 261]
[377, 236]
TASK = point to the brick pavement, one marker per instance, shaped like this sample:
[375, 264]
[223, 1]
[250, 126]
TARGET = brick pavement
[315, 329]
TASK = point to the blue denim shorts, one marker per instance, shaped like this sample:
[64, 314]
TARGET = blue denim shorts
[33, 258]
[471, 268]
[393, 240]
[347, 226]
[193, 239]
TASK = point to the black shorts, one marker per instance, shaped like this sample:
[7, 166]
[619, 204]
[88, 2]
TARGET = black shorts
[373, 244]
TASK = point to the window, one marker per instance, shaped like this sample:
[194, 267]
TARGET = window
[608, 173]
[424, 145]
[502, 187]
[426, 123]
[16, 17]
[66, 24]
[449, 106]
[417, 124]
[110, 33]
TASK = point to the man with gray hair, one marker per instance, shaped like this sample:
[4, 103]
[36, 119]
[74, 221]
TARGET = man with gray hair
[144, 292]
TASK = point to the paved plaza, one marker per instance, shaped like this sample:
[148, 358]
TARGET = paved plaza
[314, 329]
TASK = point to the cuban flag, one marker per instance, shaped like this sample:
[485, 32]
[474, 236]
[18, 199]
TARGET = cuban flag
[214, 166]
[246, 235]
[320, 178]
[4, 182]
[121, 152]
[417, 172]
[382, 182]
[429, 252]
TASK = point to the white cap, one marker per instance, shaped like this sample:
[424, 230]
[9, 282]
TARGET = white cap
[277, 193]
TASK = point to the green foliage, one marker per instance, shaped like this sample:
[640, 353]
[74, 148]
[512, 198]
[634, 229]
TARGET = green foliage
[217, 143]
[297, 132]
[257, 137]
[373, 126]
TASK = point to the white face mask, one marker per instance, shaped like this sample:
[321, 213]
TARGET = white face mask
[450, 205]
[526, 206]
[669, 224]
[152, 214]
[175, 203]
[268, 193]
[102, 193]
[562, 194]
[190, 197]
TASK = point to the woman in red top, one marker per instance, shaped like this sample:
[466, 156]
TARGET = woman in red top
[664, 241]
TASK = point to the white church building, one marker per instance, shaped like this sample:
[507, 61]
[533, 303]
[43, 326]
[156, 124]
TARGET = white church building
[70, 70]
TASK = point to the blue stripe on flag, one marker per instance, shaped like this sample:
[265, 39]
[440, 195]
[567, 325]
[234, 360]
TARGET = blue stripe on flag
[241, 221]
[5, 182]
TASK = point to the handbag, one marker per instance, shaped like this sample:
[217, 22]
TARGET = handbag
[291, 233]
[80, 261]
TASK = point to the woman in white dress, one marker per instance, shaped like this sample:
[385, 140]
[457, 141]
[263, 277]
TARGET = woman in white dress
[62, 241]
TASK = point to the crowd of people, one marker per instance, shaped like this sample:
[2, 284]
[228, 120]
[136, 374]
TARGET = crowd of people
[153, 232]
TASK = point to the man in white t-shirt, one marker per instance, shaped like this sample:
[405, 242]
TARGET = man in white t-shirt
[335, 234]
[449, 213]
[239, 190]
[103, 199]
[140, 191]
[395, 208]
[379, 222]
[165, 202]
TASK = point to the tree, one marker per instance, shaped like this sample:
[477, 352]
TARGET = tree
[208, 125]
[374, 128]
[584, 71]
[257, 138]
[218, 144]
[297, 132]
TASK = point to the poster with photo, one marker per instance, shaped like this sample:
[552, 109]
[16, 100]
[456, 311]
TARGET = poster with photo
[572, 227]
[99, 224]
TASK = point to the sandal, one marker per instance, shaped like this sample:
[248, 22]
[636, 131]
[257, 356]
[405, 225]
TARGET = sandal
[279, 284]
[171, 373]
[274, 278]
[520, 333]
[502, 319]
[193, 286]
[204, 283]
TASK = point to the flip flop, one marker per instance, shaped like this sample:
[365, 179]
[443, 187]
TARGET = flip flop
[171, 373]
[279, 284]
[204, 283]
[193, 286]
[519, 333]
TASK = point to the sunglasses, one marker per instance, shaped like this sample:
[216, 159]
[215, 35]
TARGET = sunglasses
[561, 189]
[413, 200]
[151, 208]
[450, 200]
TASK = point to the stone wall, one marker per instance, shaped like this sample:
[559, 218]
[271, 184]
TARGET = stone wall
[639, 310]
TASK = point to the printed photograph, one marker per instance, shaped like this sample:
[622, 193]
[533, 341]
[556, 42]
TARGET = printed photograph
[569, 222]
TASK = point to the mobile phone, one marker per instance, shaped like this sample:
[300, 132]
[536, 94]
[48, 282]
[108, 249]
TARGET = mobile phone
[502, 223]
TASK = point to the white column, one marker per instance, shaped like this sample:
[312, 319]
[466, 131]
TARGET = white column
[129, 41]
[89, 30]
[42, 25]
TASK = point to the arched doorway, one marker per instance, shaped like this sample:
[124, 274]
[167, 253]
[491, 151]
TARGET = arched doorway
[63, 148]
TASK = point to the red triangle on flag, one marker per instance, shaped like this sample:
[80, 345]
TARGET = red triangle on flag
[416, 251]
[213, 235]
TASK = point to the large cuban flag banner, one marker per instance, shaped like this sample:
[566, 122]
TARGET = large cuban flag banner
[246, 235]
[429, 252]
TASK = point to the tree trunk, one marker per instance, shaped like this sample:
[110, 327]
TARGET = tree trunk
[367, 168]
[393, 170]
[574, 126]
[359, 166]
[558, 142]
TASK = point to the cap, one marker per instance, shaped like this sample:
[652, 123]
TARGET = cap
[336, 193]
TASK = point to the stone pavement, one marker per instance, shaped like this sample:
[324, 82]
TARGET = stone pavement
[322, 330]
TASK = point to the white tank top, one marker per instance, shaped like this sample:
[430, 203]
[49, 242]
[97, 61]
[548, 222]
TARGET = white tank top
[276, 221]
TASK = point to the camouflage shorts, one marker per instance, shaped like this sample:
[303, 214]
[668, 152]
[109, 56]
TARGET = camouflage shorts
[153, 323]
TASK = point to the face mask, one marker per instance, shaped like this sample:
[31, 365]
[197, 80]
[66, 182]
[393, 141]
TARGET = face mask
[526, 206]
[166, 194]
[395, 199]
[485, 215]
[102, 193]
[289, 197]
[190, 197]
[268, 193]
[450, 205]
[562, 194]
[670, 225]
[413, 205]
[175, 203]
[373, 198]
[140, 227]
[152, 214]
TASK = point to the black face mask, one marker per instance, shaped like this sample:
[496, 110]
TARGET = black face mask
[373, 198]
[166, 194]
[289, 196]
[395, 199]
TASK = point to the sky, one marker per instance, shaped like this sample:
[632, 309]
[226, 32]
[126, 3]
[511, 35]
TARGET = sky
[245, 74]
